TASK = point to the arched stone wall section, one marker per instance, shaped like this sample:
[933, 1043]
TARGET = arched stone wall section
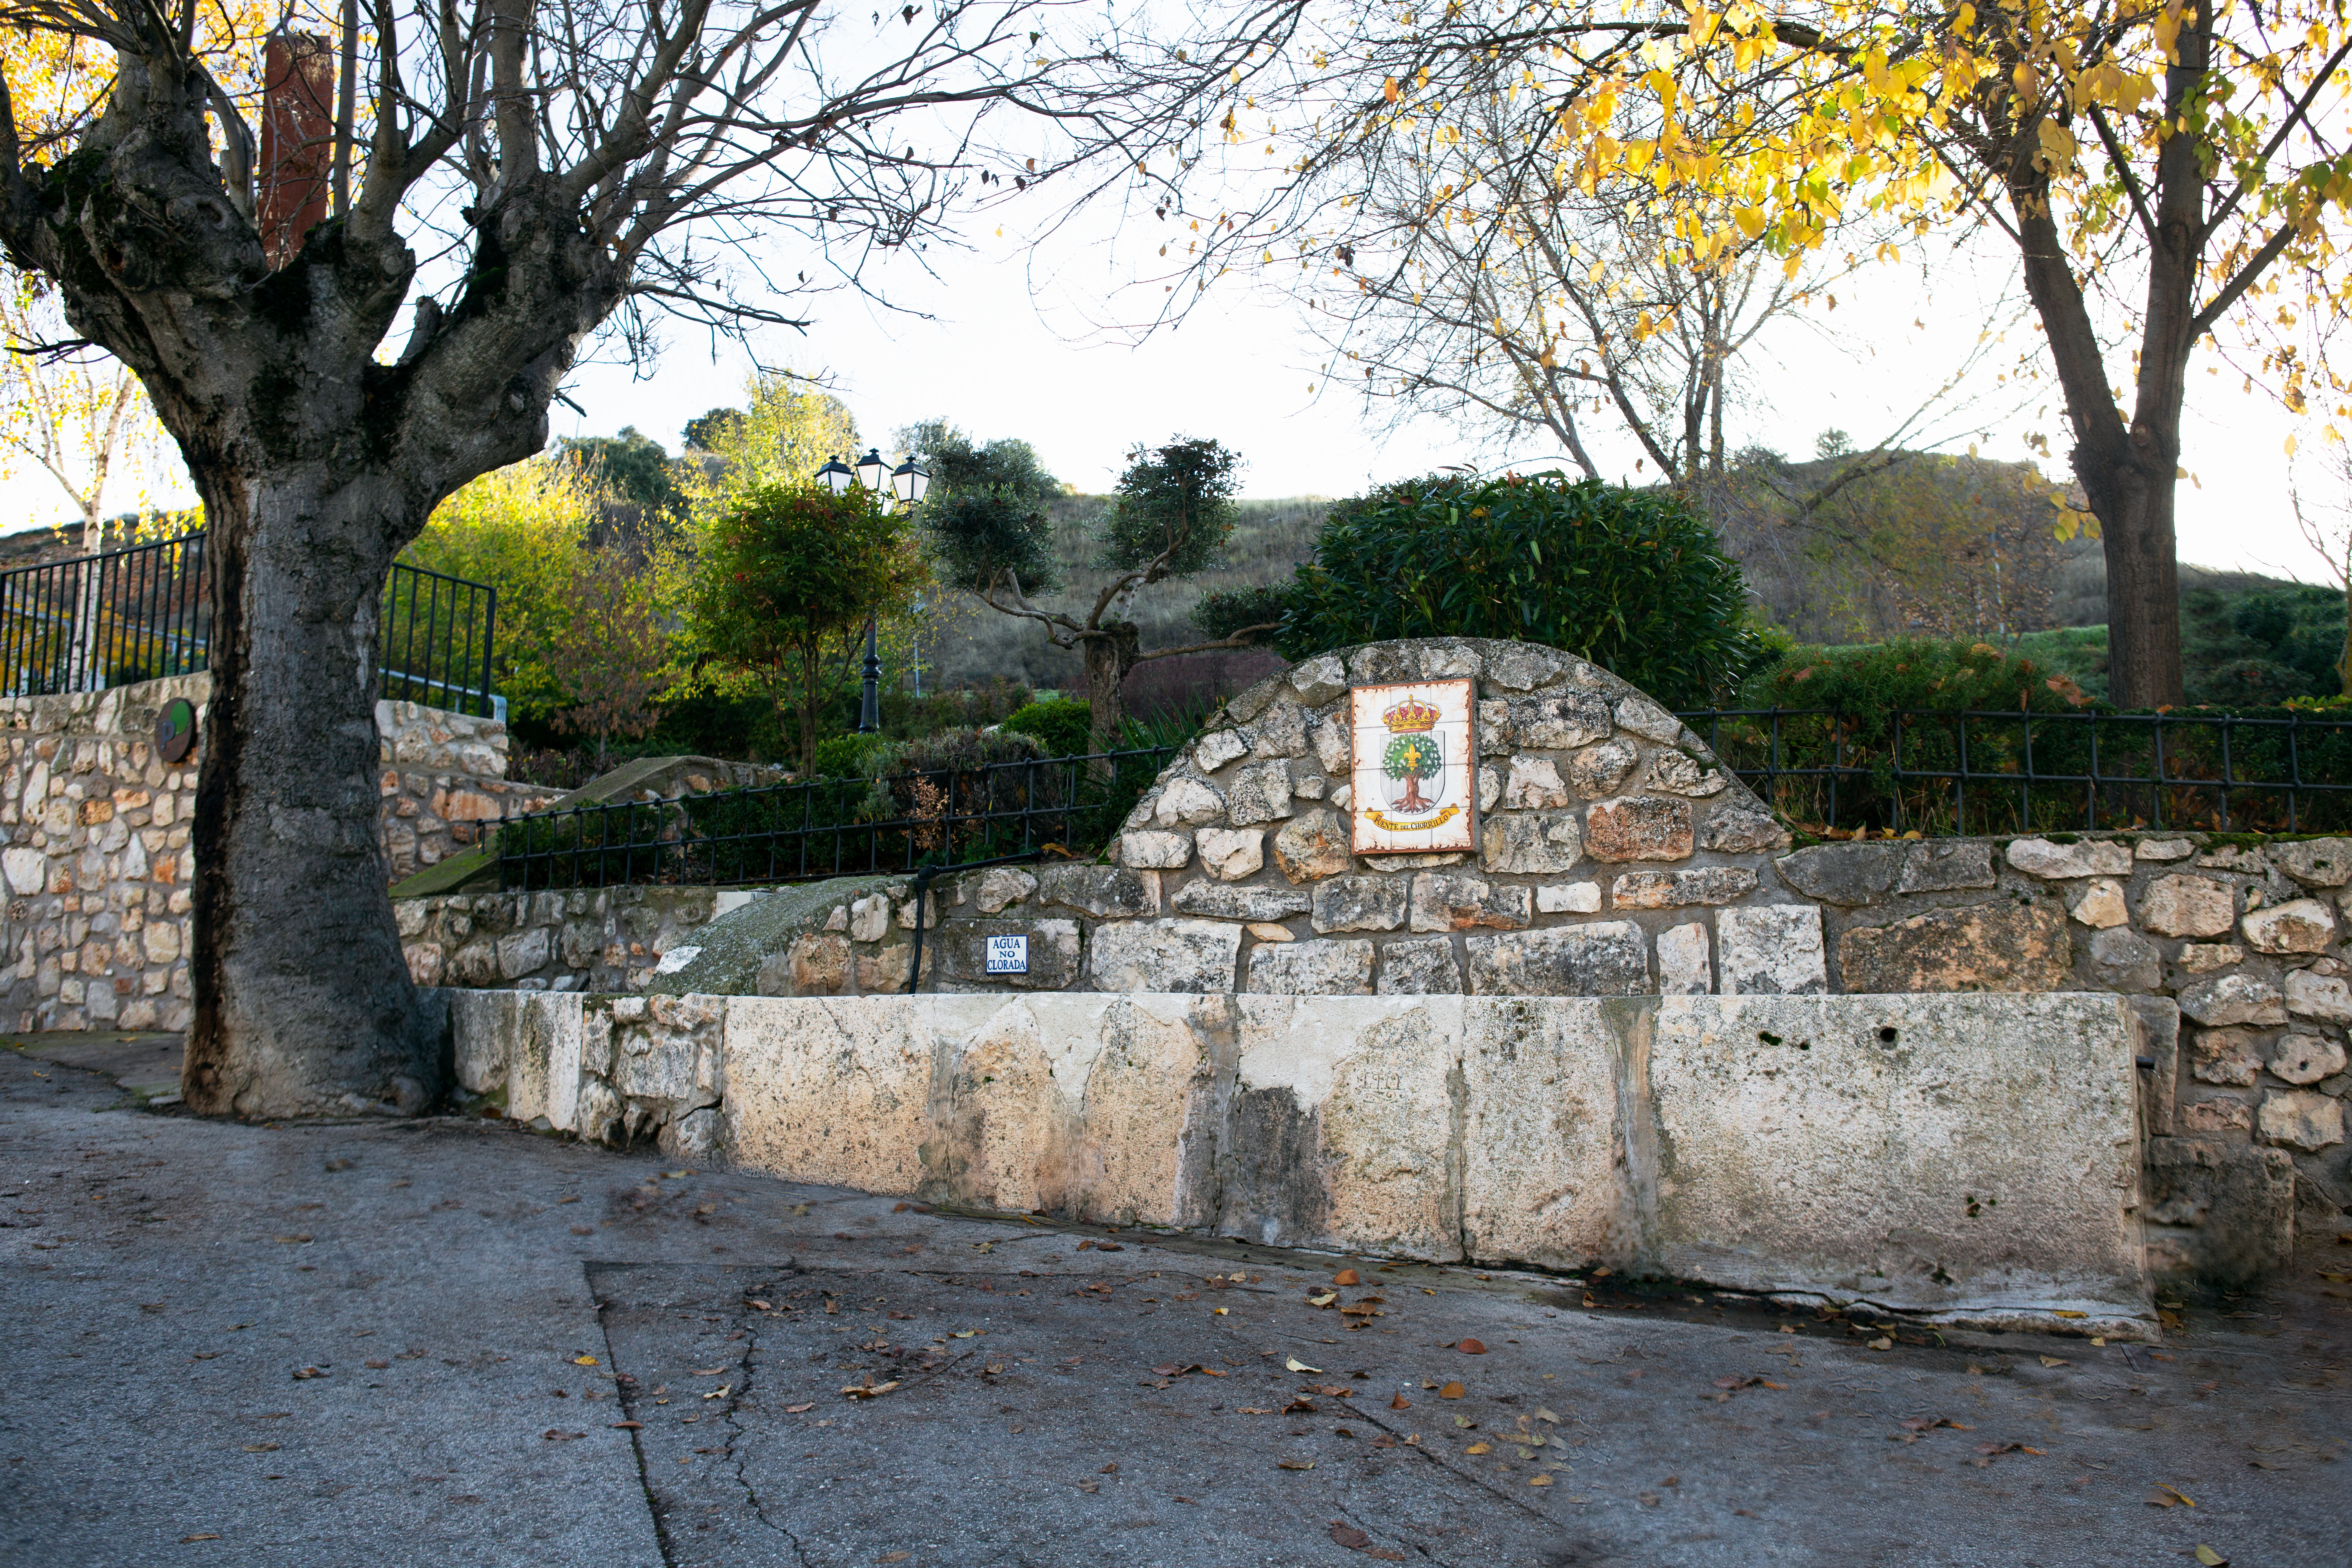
[1614, 857]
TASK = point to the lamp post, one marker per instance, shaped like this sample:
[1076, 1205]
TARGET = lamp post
[908, 483]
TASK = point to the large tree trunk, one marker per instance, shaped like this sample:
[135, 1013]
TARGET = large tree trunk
[1108, 658]
[303, 999]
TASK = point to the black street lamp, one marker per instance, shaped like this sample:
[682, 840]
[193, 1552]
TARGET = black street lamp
[908, 483]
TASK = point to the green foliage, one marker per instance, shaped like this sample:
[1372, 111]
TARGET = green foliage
[1172, 509]
[630, 465]
[857, 756]
[1059, 723]
[1631, 580]
[1222, 612]
[1410, 757]
[2261, 649]
[987, 512]
[523, 530]
[704, 432]
[1868, 679]
[784, 577]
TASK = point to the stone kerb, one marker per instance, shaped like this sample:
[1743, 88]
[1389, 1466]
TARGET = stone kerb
[1807, 1147]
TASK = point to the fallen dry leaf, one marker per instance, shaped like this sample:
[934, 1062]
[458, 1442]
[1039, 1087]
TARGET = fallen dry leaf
[1452, 1391]
[261, 1447]
[1480, 1447]
[2063, 1312]
[206, 1536]
[1251, 1410]
[1295, 1365]
[2211, 1558]
[306, 1372]
[2171, 1496]
[1399, 1403]
[1882, 1343]
[1324, 1300]
[1109, 1469]
[628, 1425]
[869, 1389]
[1090, 1486]
[1470, 1347]
[2052, 1361]
[1538, 1480]
[1108, 1246]
[1293, 1464]
[1543, 1414]
[895, 1556]
[556, 1434]
[1347, 1277]
[800, 1409]
[584, 1361]
[1348, 1536]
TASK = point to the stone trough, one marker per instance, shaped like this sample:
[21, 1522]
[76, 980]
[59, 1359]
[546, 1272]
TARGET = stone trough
[1970, 1159]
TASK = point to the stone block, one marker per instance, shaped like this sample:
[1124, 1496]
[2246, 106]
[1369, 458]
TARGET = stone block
[2301, 1119]
[1143, 850]
[2306, 1059]
[1320, 679]
[2159, 1042]
[2238, 1201]
[870, 917]
[1599, 770]
[525, 951]
[1001, 887]
[2205, 957]
[1679, 772]
[1490, 786]
[1638, 827]
[1608, 958]
[1534, 785]
[28, 870]
[1279, 731]
[1679, 890]
[1339, 1133]
[2099, 903]
[1422, 966]
[1772, 950]
[1559, 721]
[1258, 793]
[2204, 1118]
[1186, 802]
[1312, 846]
[1312, 968]
[2315, 862]
[668, 1062]
[482, 1026]
[1218, 747]
[1544, 1181]
[2164, 849]
[1493, 728]
[1855, 1093]
[1848, 874]
[1328, 740]
[1224, 901]
[2299, 925]
[2061, 862]
[1266, 931]
[1567, 899]
[2183, 905]
[830, 1093]
[1444, 901]
[543, 1056]
[1739, 826]
[2309, 994]
[816, 963]
[1683, 966]
[2123, 960]
[1231, 854]
[2000, 945]
[1106, 892]
[1524, 667]
[1529, 845]
[1931, 866]
[2231, 1057]
[1164, 955]
[1359, 903]
[2225, 999]
[1053, 953]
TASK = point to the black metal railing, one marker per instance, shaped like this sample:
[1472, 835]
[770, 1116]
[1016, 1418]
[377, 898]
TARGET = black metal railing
[833, 828]
[1943, 773]
[137, 614]
[106, 620]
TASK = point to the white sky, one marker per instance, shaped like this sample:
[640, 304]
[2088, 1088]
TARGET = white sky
[1014, 347]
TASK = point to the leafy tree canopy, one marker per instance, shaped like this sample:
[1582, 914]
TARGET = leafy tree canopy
[1172, 511]
[987, 514]
[702, 432]
[632, 465]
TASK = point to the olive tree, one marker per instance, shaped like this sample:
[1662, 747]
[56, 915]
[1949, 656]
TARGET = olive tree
[516, 176]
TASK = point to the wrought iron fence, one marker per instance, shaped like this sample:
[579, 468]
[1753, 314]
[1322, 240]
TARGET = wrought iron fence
[1939, 772]
[137, 614]
[833, 828]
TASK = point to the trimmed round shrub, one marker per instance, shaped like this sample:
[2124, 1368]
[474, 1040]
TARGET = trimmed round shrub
[1058, 724]
[1630, 579]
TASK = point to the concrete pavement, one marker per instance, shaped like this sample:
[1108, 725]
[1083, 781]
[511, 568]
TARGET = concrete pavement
[445, 1342]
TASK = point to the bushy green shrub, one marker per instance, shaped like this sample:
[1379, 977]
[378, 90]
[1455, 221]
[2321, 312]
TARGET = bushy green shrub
[1058, 724]
[1630, 579]
[1222, 611]
[1909, 672]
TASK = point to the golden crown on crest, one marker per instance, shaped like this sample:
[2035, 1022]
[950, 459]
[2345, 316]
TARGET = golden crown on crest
[1411, 716]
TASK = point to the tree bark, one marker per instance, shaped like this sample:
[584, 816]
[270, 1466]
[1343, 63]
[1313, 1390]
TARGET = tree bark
[303, 998]
[1108, 656]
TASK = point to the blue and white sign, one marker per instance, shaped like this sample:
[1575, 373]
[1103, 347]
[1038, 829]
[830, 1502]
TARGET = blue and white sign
[1008, 955]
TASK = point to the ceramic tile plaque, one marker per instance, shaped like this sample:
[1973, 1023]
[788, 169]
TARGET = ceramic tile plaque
[1410, 788]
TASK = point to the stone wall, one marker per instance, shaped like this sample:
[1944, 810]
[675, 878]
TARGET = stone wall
[1806, 1148]
[94, 842]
